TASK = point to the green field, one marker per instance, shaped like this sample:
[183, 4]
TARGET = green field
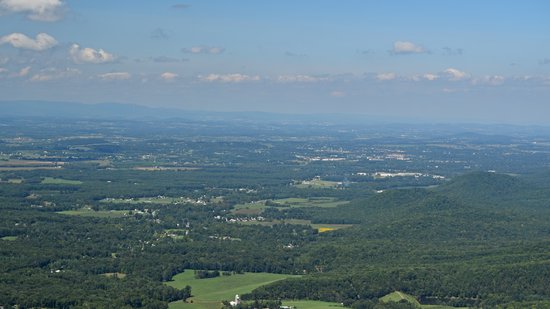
[318, 226]
[311, 304]
[256, 208]
[60, 181]
[209, 293]
[114, 275]
[87, 212]
[325, 202]
[9, 238]
[317, 183]
[148, 200]
[399, 296]
[249, 209]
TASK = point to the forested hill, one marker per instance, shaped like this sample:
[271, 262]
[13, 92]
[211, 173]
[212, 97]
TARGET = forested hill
[443, 243]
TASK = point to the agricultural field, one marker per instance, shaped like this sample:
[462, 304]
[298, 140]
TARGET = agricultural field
[29, 165]
[317, 183]
[209, 293]
[152, 200]
[88, 212]
[311, 304]
[323, 202]
[321, 227]
[400, 296]
[60, 181]
[9, 238]
[256, 208]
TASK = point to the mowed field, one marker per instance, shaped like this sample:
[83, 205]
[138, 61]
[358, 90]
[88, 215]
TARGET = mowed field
[317, 184]
[87, 212]
[256, 208]
[311, 304]
[209, 293]
[400, 296]
[60, 181]
[322, 227]
[148, 200]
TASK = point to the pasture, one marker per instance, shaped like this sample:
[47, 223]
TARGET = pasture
[399, 296]
[256, 208]
[317, 183]
[209, 293]
[321, 227]
[60, 181]
[87, 212]
[9, 238]
[311, 304]
[149, 200]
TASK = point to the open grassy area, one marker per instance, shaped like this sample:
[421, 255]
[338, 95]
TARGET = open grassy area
[249, 209]
[149, 200]
[321, 227]
[60, 181]
[399, 296]
[209, 293]
[87, 212]
[325, 202]
[9, 238]
[311, 304]
[115, 275]
[317, 183]
[257, 207]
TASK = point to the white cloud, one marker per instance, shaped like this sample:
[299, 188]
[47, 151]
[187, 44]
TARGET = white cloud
[456, 75]
[300, 78]
[52, 74]
[386, 76]
[229, 78]
[23, 72]
[3, 70]
[115, 76]
[89, 55]
[491, 80]
[430, 77]
[168, 76]
[204, 50]
[338, 94]
[401, 47]
[40, 10]
[42, 41]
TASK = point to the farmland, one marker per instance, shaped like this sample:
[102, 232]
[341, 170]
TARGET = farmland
[87, 212]
[60, 181]
[209, 293]
[256, 208]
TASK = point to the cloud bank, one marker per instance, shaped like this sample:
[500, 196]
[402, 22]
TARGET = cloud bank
[42, 41]
[403, 48]
[39, 10]
[89, 55]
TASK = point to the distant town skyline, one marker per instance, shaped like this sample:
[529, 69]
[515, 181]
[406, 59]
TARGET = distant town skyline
[481, 61]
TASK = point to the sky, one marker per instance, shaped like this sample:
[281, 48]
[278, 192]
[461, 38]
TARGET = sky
[469, 60]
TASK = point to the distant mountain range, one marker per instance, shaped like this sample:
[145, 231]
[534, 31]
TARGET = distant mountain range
[49, 109]
[126, 111]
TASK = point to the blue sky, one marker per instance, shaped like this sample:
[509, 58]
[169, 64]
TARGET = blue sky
[468, 60]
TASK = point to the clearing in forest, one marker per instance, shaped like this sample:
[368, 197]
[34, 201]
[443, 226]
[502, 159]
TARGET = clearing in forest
[88, 212]
[209, 293]
[60, 181]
